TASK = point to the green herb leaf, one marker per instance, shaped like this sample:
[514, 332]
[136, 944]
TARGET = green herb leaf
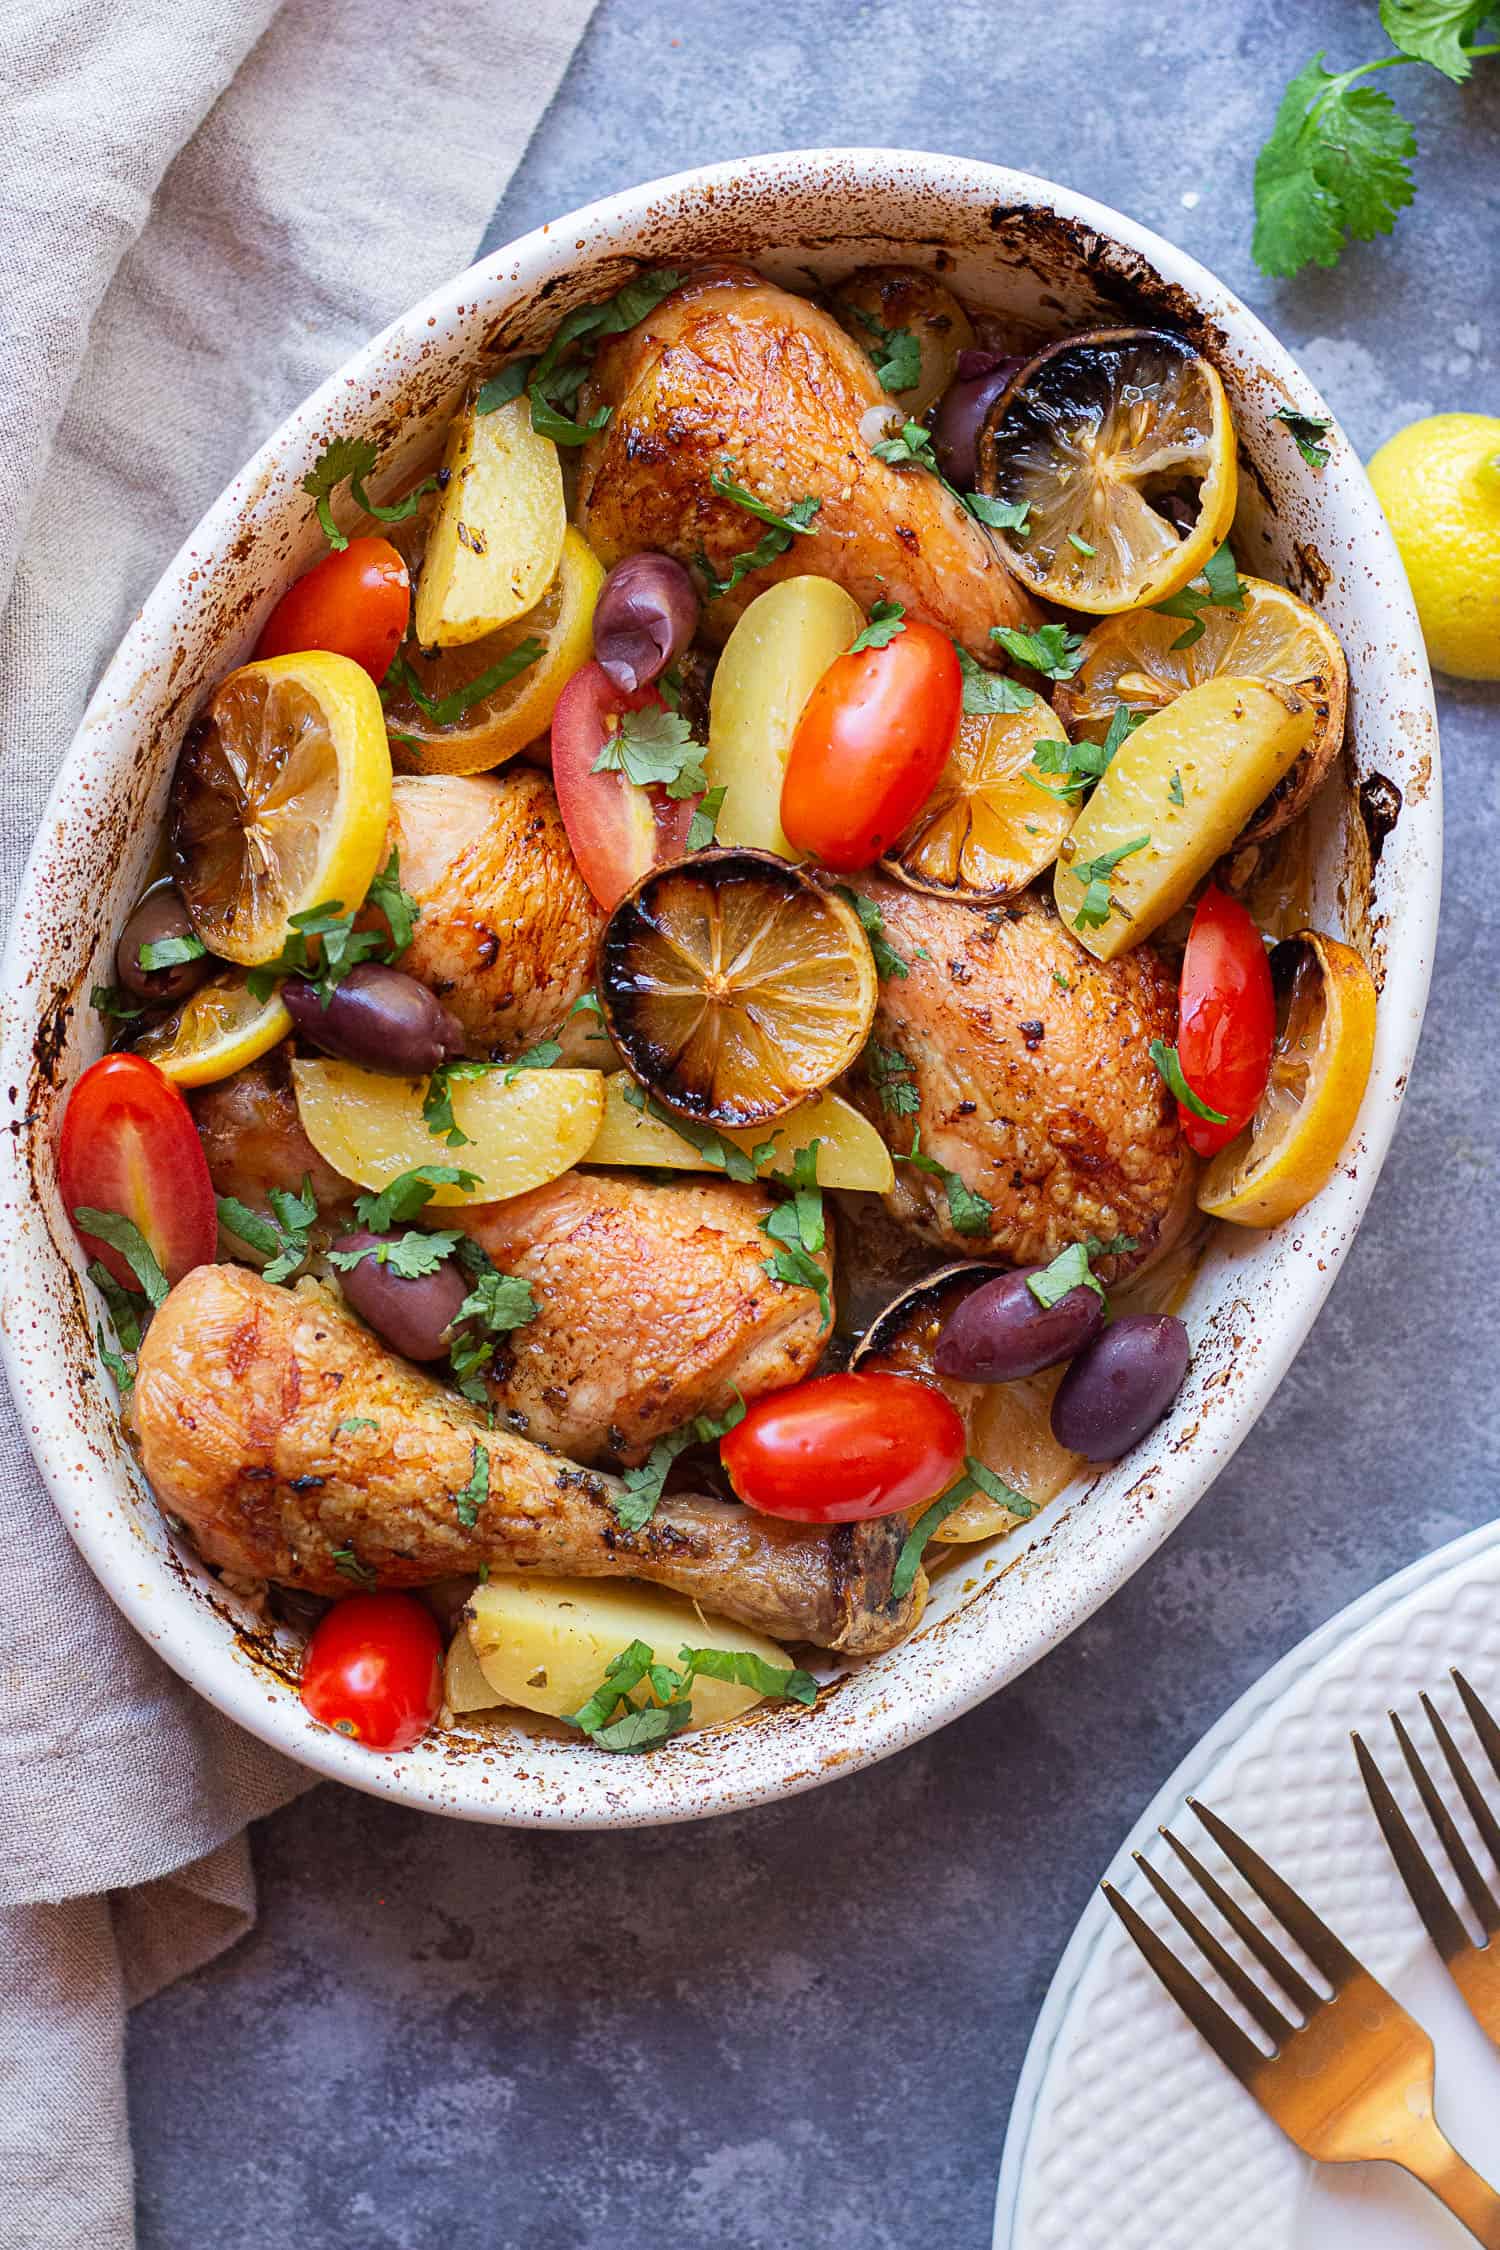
[340, 947]
[1069, 1270]
[888, 962]
[127, 1311]
[892, 1077]
[644, 1726]
[783, 526]
[1170, 1067]
[1051, 649]
[472, 1498]
[114, 1364]
[1218, 586]
[502, 388]
[1306, 430]
[638, 1503]
[748, 1670]
[282, 1237]
[976, 1478]
[548, 422]
[114, 1000]
[703, 827]
[400, 1200]
[655, 745]
[1174, 787]
[354, 459]
[359, 1422]
[496, 1304]
[895, 353]
[400, 909]
[410, 1256]
[1337, 163]
[1081, 544]
[347, 1563]
[437, 1101]
[124, 1235]
[1433, 31]
[170, 952]
[540, 1057]
[986, 693]
[912, 449]
[1000, 515]
[447, 710]
[795, 1268]
[887, 619]
[968, 1211]
[1096, 904]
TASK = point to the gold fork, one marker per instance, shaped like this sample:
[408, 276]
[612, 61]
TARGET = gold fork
[1475, 1969]
[1353, 2080]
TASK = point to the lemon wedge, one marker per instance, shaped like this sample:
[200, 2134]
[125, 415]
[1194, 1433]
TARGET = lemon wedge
[217, 1031]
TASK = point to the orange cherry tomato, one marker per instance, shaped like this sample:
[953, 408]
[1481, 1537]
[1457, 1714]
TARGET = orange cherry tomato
[1226, 1031]
[872, 739]
[129, 1145]
[844, 1447]
[617, 828]
[355, 602]
[373, 1670]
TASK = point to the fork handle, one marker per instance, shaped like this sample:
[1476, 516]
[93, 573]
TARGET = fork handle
[1443, 2172]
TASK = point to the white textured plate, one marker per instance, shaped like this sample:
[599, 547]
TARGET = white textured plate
[1047, 260]
[1126, 2134]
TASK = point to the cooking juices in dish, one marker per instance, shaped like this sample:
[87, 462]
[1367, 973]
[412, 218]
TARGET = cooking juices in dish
[776, 807]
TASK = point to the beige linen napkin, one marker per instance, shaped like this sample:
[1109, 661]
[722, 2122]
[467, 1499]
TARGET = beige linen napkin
[205, 205]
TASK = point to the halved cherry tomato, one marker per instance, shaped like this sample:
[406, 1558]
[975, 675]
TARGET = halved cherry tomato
[355, 602]
[1226, 1032]
[872, 739]
[129, 1145]
[373, 1670]
[844, 1447]
[618, 830]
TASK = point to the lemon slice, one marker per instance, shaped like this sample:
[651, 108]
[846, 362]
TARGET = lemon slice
[734, 987]
[217, 1030]
[1324, 1048]
[1108, 440]
[369, 1126]
[995, 820]
[1133, 660]
[489, 729]
[851, 1153]
[280, 801]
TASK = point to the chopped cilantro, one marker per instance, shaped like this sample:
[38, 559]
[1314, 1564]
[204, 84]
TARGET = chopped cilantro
[540, 1057]
[1218, 586]
[911, 449]
[170, 952]
[782, 528]
[447, 710]
[976, 1478]
[497, 1303]
[1000, 515]
[347, 1563]
[643, 1486]
[1051, 649]
[1096, 904]
[358, 1422]
[1307, 432]
[1169, 1065]
[888, 962]
[1174, 786]
[895, 353]
[125, 1236]
[986, 693]
[352, 460]
[281, 1237]
[892, 1077]
[411, 1257]
[400, 1200]
[968, 1211]
[703, 827]
[887, 619]
[655, 745]
[340, 946]
[474, 1494]
[114, 1000]
[1081, 544]
[644, 1726]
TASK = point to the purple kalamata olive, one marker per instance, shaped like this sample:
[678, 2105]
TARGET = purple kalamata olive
[959, 414]
[1121, 1385]
[414, 1317]
[1001, 1332]
[160, 915]
[377, 1016]
[646, 614]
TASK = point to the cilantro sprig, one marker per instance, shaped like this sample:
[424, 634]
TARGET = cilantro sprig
[655, 745]
[1337, 162]
[782, 526]
[638, 1502]
[349, 461]
[612, 1721]
[282, 1236]
[497, 1304]
[1073, 1269]
[1080, 764]
[799, 1230]
[402, 1198]
[989, 693]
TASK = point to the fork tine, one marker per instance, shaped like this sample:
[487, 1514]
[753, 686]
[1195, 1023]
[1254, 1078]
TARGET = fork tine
[1458, 1766]
[1476, 1890]
[1244, 1988]
[1250, 1934]
[1223, 2034]
[1294, 1914]
[1427, 1894]
[1484, 1726]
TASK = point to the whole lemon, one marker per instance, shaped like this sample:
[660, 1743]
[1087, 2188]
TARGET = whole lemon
[1438, 481]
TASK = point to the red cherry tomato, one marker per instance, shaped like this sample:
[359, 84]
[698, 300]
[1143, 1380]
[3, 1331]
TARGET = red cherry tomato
[129, 1145]
[873, 737]
[355, 602]
[617, 829]
[844, 1447]
[1226, 1032]
[373, 1670]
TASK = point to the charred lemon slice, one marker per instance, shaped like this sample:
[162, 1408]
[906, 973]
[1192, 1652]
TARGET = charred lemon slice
[280, 802]
[1121, 448]
[733, 987]
[217, 1030]
[995, 819]
[464, 710]
[1137, 660]
[1325, 1043]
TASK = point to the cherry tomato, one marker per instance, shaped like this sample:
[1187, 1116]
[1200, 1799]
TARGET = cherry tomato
[373, 1670]
[873, 737]
[1226, 1032]
[618, 830]
[355, 602]
[129, 1145]
[844, 1447]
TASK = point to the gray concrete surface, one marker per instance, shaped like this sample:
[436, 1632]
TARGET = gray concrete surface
[805, 2025]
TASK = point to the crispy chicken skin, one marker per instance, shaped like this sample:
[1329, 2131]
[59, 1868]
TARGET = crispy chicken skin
[508, 927]
[243, 1401]
[653, 1300]
[253, 1139]
[1041, 1095]
[653, 1305]
[730, 371]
